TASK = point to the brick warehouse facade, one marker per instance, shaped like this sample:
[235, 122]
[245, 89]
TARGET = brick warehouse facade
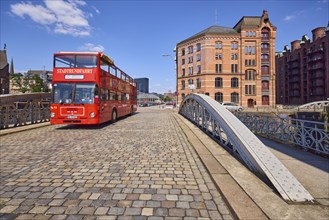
[303, 70]
[230, 64]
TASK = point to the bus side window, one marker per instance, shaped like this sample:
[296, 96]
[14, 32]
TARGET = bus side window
[104, 94]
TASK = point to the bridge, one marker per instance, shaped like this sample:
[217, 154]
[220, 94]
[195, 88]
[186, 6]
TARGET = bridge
[156, 164]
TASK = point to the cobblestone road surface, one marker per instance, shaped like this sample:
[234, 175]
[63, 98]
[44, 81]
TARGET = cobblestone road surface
[140, 167]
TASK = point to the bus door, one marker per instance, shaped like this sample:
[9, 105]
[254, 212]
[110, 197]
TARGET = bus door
[104, 106]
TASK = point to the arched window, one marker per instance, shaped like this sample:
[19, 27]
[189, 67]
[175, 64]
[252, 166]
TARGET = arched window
[265, 70]
[183, 96]
[265, 100]
[265, 46]
[264, 57]
[218, 82]
[234, 45]
[265, 34]
[190, 81]
[234, 82]
[218, 45]
[265, 85]
[219, 97]
[235, 97]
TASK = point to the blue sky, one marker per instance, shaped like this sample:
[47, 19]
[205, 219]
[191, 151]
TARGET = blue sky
[136, 33]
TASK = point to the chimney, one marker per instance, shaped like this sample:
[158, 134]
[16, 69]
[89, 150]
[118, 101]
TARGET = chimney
[318, 33]
[295, 45]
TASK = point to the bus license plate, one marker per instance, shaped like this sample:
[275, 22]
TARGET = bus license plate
[72, 116]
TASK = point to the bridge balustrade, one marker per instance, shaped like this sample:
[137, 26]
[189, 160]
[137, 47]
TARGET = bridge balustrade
[231, 133]
[18, 110]
[309, 135]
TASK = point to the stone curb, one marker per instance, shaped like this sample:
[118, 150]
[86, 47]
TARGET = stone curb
[23, 128]
[240, 204]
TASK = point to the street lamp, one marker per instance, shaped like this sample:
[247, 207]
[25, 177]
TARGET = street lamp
[176, 93]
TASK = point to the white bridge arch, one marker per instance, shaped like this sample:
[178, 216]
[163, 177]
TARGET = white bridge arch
[231, 133]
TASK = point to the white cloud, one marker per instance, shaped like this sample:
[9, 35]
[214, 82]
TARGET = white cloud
[289, 17]
[64, 17]
[37, 13]
[295, 15]
[322, 1]
[92, 47]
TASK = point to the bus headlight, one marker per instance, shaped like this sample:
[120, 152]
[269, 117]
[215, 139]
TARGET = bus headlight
[52, 114]
[92, 114]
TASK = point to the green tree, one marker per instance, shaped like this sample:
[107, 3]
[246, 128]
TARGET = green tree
[37, 85]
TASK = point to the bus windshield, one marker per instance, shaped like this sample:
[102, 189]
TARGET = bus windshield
[75, 61]
[77, 93]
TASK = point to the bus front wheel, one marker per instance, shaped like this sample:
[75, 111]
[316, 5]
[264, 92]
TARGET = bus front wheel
[114, 115]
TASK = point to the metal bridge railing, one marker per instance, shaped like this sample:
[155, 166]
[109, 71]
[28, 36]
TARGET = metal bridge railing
[231, 133]
[18, 110]
[312, 136]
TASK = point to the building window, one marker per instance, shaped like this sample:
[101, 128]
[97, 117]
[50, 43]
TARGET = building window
[250, 75]
[234, 82]
[265, 100]
[183, 72]
[198, 47]
[250, 89]
[218, 56]
[264, 57]
[234, 68]
[199, 69]
[235, 97]
[234, 45]
[218, 68]
[265, 46]
[265, 33]
[183, 61]
[265, 85]
[249, 50]
[190, 49]
[219, 97]
[183, 52]
[198, 58]
[265, 70]
[218, 82]
[250, 62]
[218, 45]
[198, 83]
[190, 59]
[183, 84]
[190, 70]
[247, 33]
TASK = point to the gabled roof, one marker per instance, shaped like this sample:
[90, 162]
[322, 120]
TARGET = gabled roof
[248, 21]
[212, 30]
[3, 59]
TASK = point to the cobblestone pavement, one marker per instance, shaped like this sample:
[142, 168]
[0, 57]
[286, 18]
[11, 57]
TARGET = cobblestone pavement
[140, 167]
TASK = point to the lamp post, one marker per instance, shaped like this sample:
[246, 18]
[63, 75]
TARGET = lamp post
[176, 92]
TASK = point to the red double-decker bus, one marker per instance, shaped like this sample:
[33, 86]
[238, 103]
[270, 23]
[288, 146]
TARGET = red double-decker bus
[89, 89]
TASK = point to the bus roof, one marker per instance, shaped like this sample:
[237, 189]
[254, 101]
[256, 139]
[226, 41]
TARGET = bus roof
[102, 55]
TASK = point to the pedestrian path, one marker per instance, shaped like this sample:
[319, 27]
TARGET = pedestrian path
[141, 167]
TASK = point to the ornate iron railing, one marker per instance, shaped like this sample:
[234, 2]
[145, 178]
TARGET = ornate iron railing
[230, 132]
[309, 135]
[18, 110]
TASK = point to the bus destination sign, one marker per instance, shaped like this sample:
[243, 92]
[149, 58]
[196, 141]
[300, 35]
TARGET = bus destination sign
[73, 71]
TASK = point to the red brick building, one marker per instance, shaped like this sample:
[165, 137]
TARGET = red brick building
[230, 64]
[303, 70]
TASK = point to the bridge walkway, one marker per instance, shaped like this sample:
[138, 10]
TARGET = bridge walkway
[152, 165]
[140, 167]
